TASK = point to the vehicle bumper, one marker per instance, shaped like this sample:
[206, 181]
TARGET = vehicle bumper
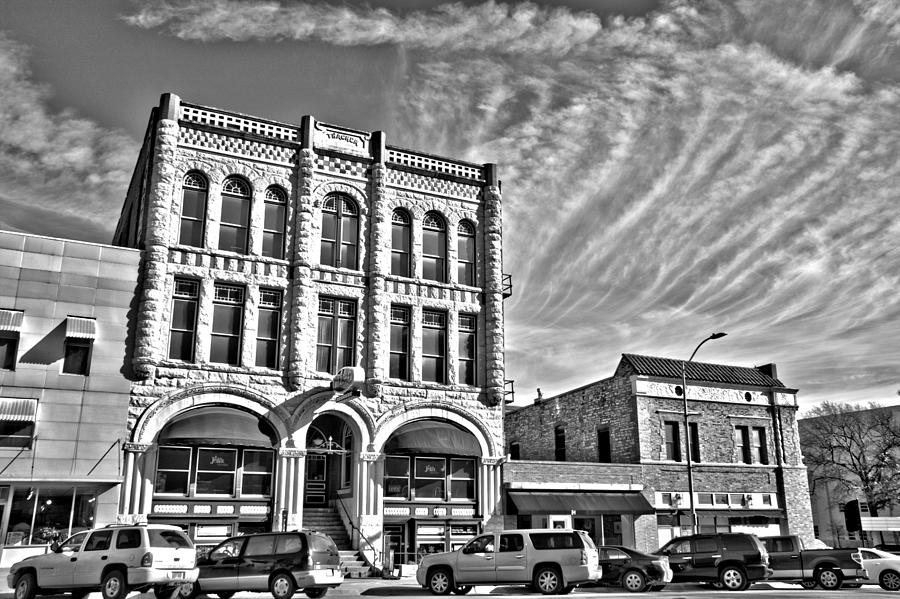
[858, 574]
[759, 572]
[582, 574]
[11, 579]
[330, 577]
[142, 576]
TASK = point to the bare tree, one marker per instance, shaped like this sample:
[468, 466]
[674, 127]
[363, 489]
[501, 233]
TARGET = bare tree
[855, 447]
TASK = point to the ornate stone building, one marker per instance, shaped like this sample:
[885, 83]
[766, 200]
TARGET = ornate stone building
[612, 456]
[319, 326]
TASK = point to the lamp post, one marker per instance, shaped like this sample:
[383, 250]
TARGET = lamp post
[687, 431]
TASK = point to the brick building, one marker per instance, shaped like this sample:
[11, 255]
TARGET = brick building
[65, 307]
[619, 446]
[319, 326]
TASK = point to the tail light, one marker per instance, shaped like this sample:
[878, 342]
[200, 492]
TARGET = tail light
[147, 560]
[857, 557]
[584, 558]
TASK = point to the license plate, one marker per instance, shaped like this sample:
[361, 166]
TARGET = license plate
[177, 574]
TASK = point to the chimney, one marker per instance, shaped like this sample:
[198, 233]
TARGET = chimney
[769, 369]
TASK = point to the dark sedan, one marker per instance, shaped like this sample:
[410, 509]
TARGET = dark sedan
[633, 570]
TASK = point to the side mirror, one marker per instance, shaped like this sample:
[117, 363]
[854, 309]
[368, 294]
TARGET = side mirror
[468, 549]
[54, 547]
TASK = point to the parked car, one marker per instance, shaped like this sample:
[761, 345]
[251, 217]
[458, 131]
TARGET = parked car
[733, 560]
[882, 567]
[551, 560]
[889, 547]
[633, 570]
[278, 562]
[113, 560]
[826, 568]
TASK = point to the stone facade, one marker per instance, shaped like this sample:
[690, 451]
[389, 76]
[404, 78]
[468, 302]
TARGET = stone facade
[634, 407]
[313, 163]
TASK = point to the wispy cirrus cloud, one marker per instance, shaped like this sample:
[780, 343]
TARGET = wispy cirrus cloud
[714, 165]
[60, 175]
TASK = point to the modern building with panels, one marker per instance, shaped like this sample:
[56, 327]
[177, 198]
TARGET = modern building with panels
[318, 330]
[628, 459]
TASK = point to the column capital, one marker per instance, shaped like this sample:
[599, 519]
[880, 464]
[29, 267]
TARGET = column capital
[492, 461]
[369, 456]
[137, 447]
[290, 452]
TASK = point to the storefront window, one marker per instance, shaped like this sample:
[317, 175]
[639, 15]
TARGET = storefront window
[173, 469]
[257, 478]
[430, 478]
[462, 479]
[40, 515]
[396, 477]
[215, 471]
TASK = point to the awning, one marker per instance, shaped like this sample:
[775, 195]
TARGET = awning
[216, 425]
[433, 436]
[13, 409]
[11, 320]
[82, 328]
[530, 502]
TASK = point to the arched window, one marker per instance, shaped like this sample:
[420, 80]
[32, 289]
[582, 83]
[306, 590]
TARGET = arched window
[434, 248]
[235, 215]
[400, 243]
[193, 209]
[340, 232]
[273, 223]
[465, 253]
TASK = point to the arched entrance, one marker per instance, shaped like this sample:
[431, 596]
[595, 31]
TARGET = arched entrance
[329, 460]
[215, 473]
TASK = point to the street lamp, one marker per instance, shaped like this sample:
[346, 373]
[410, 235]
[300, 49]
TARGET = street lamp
[687, 431]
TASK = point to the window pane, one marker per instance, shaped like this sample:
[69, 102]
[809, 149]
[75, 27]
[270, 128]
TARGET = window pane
[432, 242]
[8, 352]
[399, 367]
[400, 238]
[181, 345]
[349, 231]
[326, 255]
[16, 434]
[267, 353]
[258, 461]
[274, 218]
[183, 314]
[345, 333]
[323, 358]
[268, 323]
[172, 482]
[400, 264]
[329, 226]
[348, 256]
[462, 489]
[224, 350]
[432, 269]
[462, 468]
[227, 320]
[235, 211]
[193, 204]
[399, 338]
[466, 346]
[429, 488]
[215, 483]
[191, 233]
[257, 484]
[273, 245]
[174, 458]
[77, 356]
[222, 460]
[433, 341]
[433, 370]
[467, 373]
[232, 239]
[326, 330]
[466, 249]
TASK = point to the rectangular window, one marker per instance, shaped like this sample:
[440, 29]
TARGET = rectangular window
[467, 345]
[256, 478]
[16, 434]
[269, 328]
[434, 346]
[396, 477]
[462, 479]
[337, 334]
[559, 444]
[742, 443]
[273, 225]
[228, 322]
[399, 366]
[183, 324]
[673, 441]
[77, 358]
[9, 344]
[173, 470]
[604, 447]
[431, 476]
[193, 215]
[515, 451]
[704, 498]
[694, 429]
[215, 471]
[234, 224]
[760, 448]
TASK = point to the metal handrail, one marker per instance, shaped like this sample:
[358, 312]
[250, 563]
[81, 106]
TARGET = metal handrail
[379, 554]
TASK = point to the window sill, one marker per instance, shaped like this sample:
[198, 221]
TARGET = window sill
[227, 254]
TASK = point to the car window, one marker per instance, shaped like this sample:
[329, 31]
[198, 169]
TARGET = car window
[738, 543]
[869, 554]
[229, 548]
[484, 544]
[511, 543]
[778, 544]
[167, 538]
[615, 554]
[320, 543]
[288, 544]
[99, 541]
[679, 547]
[128, 538]
[555, 540]
[260, 545]
[706, 545]
[73, 543]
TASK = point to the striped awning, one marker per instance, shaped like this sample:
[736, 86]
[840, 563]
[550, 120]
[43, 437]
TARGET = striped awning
[17, 409]
[82, 328]
[11, 320]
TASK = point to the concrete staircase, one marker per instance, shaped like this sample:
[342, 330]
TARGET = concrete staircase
[328, 520]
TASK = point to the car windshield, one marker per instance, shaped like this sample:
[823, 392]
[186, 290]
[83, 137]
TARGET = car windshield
[73, 543]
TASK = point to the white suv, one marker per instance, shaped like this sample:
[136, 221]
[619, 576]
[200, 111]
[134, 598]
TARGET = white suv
[113, 560]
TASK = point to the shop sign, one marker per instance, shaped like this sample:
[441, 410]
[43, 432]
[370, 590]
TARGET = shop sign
[347, 378]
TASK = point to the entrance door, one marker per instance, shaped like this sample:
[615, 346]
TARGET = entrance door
[316, 480]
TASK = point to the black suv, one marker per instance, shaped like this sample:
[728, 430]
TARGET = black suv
[278, 562]
[733, 560]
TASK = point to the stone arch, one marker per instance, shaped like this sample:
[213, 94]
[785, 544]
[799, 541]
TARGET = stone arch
[430, 411]
[324, 402]
[356, 194]
[158, 414]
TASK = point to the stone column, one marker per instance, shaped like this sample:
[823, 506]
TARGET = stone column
[379, 265]
[134, 454]
[371, 517]
[290, 480]
[150, 339]
[493, 286]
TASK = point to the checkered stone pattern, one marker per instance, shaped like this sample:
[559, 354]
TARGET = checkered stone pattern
[433, 185]
[340, 166]
[236, 146]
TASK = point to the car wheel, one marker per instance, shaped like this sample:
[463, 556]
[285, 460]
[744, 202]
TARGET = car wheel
[809, 584]
[548, 580]
[733, 578]
[889, 581]
[462, 589]
[26, 587]
[316, 592]
[634, 581]
[114, 585]
[281, 586]
[440, 581]
[830, 580]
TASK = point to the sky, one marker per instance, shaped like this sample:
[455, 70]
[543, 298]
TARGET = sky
[669, 168]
